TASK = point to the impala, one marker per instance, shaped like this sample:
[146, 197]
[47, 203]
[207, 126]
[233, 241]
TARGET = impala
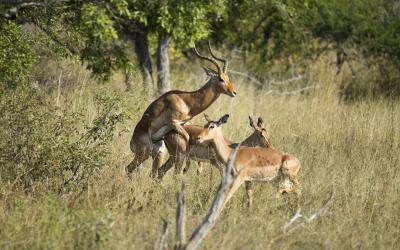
[253, 163]
[171, 110]
[179, 149]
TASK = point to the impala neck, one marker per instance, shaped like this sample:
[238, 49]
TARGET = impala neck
[250, 141]
[254, 140]
[201, 99]
[222, 148]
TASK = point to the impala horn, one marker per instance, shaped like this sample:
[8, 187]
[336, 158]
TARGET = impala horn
[225, 67]
[212, 60]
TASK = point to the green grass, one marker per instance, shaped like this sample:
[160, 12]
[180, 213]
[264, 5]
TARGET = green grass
[352, 146]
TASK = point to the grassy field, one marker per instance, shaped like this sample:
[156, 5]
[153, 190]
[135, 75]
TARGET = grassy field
[352, 146]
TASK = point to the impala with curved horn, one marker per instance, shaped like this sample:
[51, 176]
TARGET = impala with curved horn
[181, 150]
[253, 163]
[171, 110]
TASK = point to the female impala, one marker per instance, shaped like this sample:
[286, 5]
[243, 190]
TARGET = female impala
[179, 149]
[171, 110]
[253, 164]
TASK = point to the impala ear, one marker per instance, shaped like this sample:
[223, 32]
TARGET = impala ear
[207, 118]
[260, 122]
[251, 122]
[223, 120]
[210, 72]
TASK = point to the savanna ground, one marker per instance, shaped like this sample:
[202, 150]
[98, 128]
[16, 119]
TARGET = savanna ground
[353, 146]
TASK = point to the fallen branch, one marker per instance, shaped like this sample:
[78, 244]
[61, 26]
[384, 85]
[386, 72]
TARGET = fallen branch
[297, 91]
[283, 82]
[246, 75]
[306, 220]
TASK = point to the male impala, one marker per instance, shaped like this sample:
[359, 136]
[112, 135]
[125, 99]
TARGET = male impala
[179, 148]
[253, 163]
[171, 110]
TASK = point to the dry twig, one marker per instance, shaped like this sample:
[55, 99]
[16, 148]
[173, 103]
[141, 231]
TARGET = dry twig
[180, 219]
[163, 240]
[288, 228]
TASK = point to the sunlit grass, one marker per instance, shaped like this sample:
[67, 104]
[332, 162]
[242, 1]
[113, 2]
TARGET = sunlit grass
[352, 146]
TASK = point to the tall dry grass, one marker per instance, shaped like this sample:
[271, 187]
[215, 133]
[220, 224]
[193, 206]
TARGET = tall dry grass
[353, 146]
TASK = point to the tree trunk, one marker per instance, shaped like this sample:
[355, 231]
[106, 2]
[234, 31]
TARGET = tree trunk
[163, 73]
[128, 80]
[143, 56]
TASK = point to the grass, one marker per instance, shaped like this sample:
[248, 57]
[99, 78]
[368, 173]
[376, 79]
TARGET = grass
[353, 146]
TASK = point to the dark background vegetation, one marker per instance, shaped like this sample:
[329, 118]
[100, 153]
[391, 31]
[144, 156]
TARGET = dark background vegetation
[119, 35]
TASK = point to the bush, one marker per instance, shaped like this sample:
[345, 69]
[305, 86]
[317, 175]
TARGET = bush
[16, 56]
[376, 80]
[43, 146]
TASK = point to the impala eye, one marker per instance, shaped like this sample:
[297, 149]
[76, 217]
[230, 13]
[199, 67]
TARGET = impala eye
[212, 126]
[221, 80]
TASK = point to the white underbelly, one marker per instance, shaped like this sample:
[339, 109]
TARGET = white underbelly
[263, 174]
[262, 179]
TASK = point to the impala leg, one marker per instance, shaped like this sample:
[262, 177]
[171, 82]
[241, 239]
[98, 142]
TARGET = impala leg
[293, 178]
[178, 164]
[291, 169]
[180, 130]
[235, 186]
[141, 150]
[285, 186]
[218, 165]
[296, 185]
[178, 149]
[137, 161]
[165, 167]
[249, 191]
[158, 153]
[187, 165]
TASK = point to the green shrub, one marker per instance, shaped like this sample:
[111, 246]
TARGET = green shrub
[16, 56]
[43, 146]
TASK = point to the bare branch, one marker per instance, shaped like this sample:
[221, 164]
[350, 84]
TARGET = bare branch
[16, 6]
[273, 82]
[297, 91]
[12, 13]
[283, 82]
[14, 2]
[180, 220]
[212, 215]
[218, 204]
[163, 242]
[306, 220]
[246, 75]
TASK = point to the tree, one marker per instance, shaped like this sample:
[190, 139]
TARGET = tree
[184, 22]
[263, 30]
[97, 31]
[87, 29]
[181, 22]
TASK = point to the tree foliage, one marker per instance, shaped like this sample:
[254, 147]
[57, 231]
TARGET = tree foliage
[16, 57]
[97, 31]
